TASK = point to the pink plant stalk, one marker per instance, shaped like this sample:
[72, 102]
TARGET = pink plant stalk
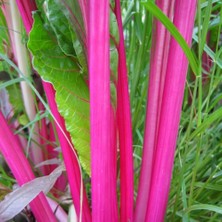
[47, 138]
[20, 56]
[71, 162]
[159, 58]
[60, 214]
[22, 171]
[25, 9]
[62, 181]
[125, 128]
[104, 203]
[170, 113]
[85, 13]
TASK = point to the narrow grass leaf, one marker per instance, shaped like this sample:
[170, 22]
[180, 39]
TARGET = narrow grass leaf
[151, 7]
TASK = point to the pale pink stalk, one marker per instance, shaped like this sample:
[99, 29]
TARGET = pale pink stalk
[71, 163]
[20, 56]
[124, 128]
[60, 214]
[103, 204]
[159, 55]
[170, 113]
[22, 171]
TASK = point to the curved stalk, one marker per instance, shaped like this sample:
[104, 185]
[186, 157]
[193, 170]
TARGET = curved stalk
[22, 171]
[125, 128]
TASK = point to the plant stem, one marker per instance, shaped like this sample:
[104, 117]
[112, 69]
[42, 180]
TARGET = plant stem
[24, 66]
[71, 162]
[104, 199]
[22, 171]
[125, 129]
[159, 56]
[170, 112]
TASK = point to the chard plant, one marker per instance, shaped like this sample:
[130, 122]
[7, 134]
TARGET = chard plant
[115, 92]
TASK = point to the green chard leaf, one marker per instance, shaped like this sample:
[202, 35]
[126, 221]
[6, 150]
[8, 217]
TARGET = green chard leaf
[71, 10]
[61, 26]
[72, 95]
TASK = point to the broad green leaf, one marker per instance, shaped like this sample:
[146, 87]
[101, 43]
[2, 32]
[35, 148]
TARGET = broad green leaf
[60, 15]
[72, 94]
[74, 15]
[152, 8]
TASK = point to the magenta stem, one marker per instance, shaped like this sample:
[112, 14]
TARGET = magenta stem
[104, 204]
[124, 128]
[22, 171]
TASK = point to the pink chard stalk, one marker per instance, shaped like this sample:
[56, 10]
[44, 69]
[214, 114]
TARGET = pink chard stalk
[125, 128]
[170, 89]
[22, 171]
[168, 68]
[159, 58]
[70, 160]
[104, 200]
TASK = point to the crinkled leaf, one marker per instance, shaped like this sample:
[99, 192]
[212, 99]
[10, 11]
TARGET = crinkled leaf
[75, 17]
[60, 25]
[17, 200]
[71, 12]
[72, 95]
[59, 16]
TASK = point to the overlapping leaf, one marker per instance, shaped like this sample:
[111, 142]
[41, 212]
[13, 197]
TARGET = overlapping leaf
[70, 39]
[72, 94]
[61, 26]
